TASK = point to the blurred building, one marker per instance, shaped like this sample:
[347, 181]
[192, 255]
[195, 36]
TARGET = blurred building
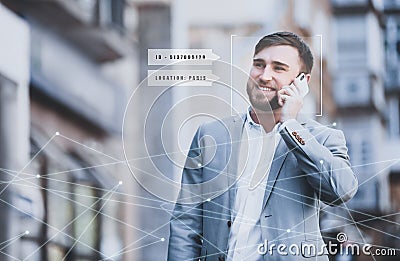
[364, 92]
[70, 197]
[392, 94]
[14, 124]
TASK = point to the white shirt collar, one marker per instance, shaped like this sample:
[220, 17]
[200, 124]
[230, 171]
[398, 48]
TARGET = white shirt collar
[249, 120]
[252, 123]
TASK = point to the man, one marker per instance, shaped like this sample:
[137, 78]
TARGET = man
[270, 210]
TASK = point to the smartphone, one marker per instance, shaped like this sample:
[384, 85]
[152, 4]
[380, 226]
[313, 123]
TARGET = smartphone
[303, 85]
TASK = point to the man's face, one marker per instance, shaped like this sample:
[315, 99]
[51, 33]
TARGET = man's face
[273, 67]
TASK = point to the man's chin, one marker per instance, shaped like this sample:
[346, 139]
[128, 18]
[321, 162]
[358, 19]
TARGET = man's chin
[268, 106]
[265, 108]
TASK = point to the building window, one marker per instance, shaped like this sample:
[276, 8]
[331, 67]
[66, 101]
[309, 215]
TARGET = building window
[352, 87]
[78, 209]
[359, 151]
[87, 224]
[73, 219]
[365, 153]
[111, 13]
[103, 12]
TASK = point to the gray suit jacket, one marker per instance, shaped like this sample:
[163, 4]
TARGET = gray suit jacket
[297, 179]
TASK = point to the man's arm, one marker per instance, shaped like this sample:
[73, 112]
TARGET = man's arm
[186, 224]
[326, 164]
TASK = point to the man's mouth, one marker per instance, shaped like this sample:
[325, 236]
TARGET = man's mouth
[269, 89]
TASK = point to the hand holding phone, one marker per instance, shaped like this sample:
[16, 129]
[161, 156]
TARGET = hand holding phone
[301, 84]
[291, 97]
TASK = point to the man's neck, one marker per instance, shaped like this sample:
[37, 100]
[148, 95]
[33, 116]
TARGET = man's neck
[266, 119]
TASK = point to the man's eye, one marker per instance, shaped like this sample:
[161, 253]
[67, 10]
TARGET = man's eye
[279, 68]
[259, 65]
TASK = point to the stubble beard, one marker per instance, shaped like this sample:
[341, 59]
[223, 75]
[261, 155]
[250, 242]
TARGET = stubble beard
[259, 100]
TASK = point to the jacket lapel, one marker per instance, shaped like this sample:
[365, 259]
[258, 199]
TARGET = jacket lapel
[235, 128]
[276, 166]
[277, 163]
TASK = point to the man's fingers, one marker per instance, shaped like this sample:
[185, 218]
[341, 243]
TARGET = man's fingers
[281, 101]
[294, 88]
[287, 90]
[284, 97]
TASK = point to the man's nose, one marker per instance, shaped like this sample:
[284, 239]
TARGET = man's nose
[266, 74]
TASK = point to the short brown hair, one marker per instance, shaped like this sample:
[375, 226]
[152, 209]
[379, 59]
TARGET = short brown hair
[291, 39]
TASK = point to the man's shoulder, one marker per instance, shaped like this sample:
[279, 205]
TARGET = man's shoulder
[311, 123]
[225, 123]
[318, 128]
[223, 128]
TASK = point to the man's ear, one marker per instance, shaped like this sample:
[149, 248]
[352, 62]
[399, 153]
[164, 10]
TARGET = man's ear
[308, 77]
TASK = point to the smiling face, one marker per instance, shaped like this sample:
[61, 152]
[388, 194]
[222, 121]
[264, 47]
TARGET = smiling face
[273, 67]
